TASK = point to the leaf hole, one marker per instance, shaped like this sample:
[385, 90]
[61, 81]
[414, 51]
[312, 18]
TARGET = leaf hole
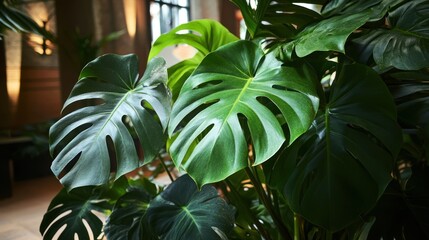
[112, 154]
[69, 166]
[81, 104]
[56, 219]
[69, 137]
[208, 84]
[194, 112]
[126, 120]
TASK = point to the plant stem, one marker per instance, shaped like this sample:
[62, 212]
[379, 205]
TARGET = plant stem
[166, 168]
[267, 203]
[296, 227]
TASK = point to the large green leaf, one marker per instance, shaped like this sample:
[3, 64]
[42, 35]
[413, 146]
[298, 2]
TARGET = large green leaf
[110, 84]
[71, 211]
[344, 7]
[405, 43]
[184, 212]
[218, 100]
[327, 35]
[204, 35]
[344, 162]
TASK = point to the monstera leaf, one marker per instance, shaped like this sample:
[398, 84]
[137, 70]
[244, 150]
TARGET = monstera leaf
[326, 35]
[219, 100]
[275, 19]
[344, 7]
[71, 211]
[115, 94]
[184, 212]
[204, 35]
[405, 44]
[344, 162]
[128, 219]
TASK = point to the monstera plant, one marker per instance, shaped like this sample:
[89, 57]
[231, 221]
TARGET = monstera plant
[313, 127]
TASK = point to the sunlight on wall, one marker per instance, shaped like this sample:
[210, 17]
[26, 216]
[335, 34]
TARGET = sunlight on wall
[13, 67]
[130, 16]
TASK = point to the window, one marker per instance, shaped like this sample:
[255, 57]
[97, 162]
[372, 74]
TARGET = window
[168, 14]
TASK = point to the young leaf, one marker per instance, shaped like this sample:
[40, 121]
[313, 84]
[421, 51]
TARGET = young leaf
[204, 35]
[218, 96]
[72, 210]
[80, 139]
[184, 212]
[348, 155]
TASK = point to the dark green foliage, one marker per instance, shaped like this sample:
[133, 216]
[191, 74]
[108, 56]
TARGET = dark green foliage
[314, 127]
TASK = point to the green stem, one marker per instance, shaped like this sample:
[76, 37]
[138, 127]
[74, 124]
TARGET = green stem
[264, 198]
[296, 227]
[166, 168]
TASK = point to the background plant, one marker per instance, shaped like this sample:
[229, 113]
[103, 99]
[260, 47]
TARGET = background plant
[314, 127]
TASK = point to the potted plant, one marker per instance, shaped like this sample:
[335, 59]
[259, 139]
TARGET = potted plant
[313, 127]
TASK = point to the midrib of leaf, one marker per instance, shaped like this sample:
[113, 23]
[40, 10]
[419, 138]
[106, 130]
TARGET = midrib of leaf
[113, 111]
[328, 150]
[237, 100]
[189, 214]
[409, 33]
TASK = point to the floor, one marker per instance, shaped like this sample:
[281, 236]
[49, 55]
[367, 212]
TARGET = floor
[20, 216]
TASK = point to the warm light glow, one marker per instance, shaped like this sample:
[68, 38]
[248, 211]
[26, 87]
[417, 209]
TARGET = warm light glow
[184, 51]
[130, 16]
[38, 11]
[36, 39]
[13, 84]
[13, 67]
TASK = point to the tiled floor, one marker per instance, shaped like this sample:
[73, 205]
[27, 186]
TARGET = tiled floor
[20, 216]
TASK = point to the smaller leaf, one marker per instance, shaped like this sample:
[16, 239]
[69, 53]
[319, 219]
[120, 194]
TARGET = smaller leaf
[72, 210]
[204, 35]
[128, 219]
[405, 44]
[184, 212]
[327, 35]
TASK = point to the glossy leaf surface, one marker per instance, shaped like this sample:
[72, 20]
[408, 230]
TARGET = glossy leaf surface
[204, 35]
[343, 164]
[222, 101]
[114, 94]
[184, 212]
[326, 35]
[405, 44]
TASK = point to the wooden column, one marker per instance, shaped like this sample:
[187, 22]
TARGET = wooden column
[227, 16]
[4, 98]
[72, 16]
[142, 40]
